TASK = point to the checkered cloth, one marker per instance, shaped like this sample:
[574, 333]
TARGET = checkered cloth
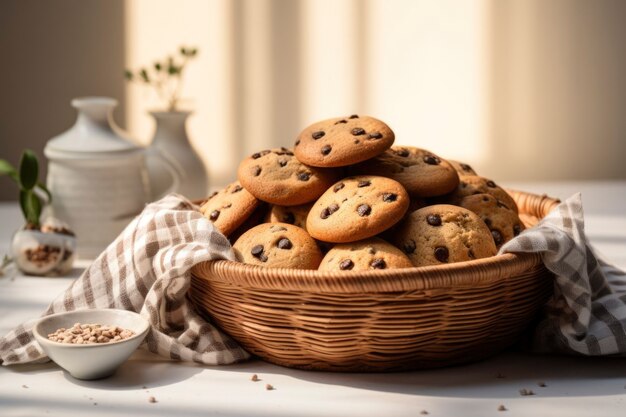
[147, 270]
[588, 313]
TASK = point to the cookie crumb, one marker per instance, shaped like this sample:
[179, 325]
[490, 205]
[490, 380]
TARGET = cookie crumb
[542, 384]
[24, 386]
[269, 387]
[254, 378]
[152, 399]
[525, 392]
[500, 376]
[502, 408]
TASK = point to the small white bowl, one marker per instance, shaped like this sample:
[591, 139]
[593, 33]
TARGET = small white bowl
[97, 360]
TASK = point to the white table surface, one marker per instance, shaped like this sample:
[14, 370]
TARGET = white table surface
[574, 386]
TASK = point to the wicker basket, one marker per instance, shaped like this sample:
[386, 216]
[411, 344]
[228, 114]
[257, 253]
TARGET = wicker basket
[378, 320]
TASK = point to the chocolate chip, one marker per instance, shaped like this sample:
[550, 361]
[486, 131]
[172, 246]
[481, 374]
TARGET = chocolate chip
[402, 152]
[364, 210]
[517, 229]
[486, 199]
[378, 264]
[262, 257]
[497, 237]
[466, 167]
[214, 215]
[375, 135]
[256, 155]
[434, 219]
[338, 187]
[389, 197]
[256, 250]
[304, 176]
[491, 184]
[442, 254]
[289, 218]
[346, 264]
[282, 162]
[341, 121]
[236, 189]
[364, 183]
[356, 141]
[328, 211]
[354, 116]
[487, 221]
[431, 160]
[256, 170]
[409, 247]
[317, 135]
[285, 243]
[358, 131]
[326, 149]
[297, 142]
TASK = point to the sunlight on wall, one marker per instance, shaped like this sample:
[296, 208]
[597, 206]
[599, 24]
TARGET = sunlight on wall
[268, 68]
[158, 28]
[428, 73]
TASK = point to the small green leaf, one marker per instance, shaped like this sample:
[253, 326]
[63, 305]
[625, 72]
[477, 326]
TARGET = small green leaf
[128, 74]
[7, 169]
[29, 170]
[31, 206]
[144, 75]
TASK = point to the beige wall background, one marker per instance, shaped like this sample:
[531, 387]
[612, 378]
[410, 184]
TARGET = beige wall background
[522, 90]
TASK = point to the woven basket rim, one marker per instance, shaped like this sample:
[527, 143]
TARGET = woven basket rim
[460, 274]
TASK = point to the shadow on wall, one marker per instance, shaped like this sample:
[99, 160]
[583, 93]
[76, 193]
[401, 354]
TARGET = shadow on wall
[57, 51]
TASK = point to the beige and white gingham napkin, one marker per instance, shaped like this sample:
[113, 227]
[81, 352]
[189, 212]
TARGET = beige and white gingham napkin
[587, 314]
[147, 270]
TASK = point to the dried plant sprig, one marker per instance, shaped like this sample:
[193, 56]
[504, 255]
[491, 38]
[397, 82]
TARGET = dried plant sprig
[166, 77]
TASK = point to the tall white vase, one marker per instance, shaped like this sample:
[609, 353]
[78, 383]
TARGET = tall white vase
[172, 143]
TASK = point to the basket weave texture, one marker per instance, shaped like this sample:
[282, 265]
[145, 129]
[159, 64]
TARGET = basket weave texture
[380, 320]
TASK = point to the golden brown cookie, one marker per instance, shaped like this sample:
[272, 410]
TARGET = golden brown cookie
[278, 245]
[343, 141]
[372, 253]
[503, 222]
[474, 184]
[277, 177]
[462, 168]
[442, 234]
[356, 208]
[295, 215]
[421, 172]
[230, 207]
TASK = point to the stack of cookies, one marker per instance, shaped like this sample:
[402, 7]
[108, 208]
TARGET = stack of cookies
[344, 198]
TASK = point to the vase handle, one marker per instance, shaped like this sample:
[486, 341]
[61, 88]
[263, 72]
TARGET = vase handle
[171, 167]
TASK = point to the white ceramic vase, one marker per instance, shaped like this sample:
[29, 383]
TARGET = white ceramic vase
[172, 143]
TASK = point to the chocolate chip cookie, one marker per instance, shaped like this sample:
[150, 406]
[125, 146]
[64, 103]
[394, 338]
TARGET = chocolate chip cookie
[295, 215]
[278, 245]
[372, 253]
[503, 222]
[277, 177]
[462, 168]
[230, 207]
[443, 234]
[356, 208]
[343, 141]
[474, 184]
[421, 172]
